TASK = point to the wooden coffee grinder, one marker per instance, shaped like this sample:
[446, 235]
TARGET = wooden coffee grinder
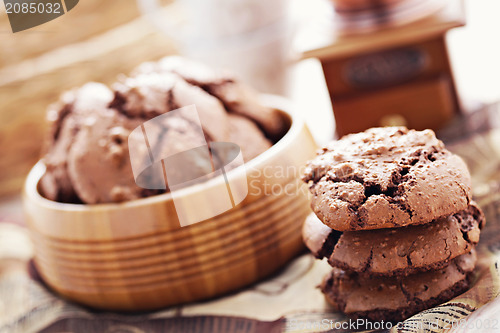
[386, 65]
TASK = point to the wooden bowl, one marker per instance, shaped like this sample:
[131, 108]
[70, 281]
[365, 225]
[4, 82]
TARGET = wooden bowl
[158, 273]
[171, 262]
[238, 240]
[225, 229]
[135, 255]
[154, 296]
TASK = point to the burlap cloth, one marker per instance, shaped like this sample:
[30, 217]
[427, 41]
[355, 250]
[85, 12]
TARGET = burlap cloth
[286, 302]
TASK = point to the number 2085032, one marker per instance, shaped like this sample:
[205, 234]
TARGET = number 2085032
[33, 8]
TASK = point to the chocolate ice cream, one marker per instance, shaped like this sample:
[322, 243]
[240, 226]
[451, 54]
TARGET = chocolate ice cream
[236, 97]
[87, 155]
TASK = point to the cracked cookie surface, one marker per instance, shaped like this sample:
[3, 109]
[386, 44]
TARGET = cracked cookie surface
[386, 178]
[399, 251]
[396, 299]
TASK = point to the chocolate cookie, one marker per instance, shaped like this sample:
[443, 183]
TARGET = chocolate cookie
[399, 251]
[395, 299]
[385, 178]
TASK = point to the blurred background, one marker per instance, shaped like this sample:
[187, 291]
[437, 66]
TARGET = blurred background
[274, 46]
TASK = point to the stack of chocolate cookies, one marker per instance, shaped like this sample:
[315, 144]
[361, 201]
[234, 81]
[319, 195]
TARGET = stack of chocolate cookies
[394, 217]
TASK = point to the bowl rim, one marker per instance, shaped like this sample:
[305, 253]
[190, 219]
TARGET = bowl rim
[280, 103]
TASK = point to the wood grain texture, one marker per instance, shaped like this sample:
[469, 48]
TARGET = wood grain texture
[419, 105]
[255, 212]
[233, 235]
[177, 270]
[157, 295]
[433, 51]
[209, 253]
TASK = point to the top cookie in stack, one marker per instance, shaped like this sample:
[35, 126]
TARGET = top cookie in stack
[386, 178]
[393, 212]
